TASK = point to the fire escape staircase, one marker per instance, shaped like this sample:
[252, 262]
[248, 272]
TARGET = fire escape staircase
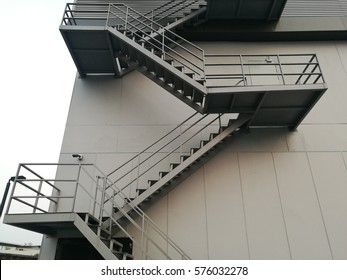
[116, 39]
[277, 89]
[118, 199]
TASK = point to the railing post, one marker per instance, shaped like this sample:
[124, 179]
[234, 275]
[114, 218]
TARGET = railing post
[163, 42]
[37, 197]
[95, 194]
[77, 183]
[126, 18]
[152, 19]
[12, 191]
[281, 70]
[108, 15]
[143, 236]
[243, 70]
[138, 171]
[181, 141]
[220, 122]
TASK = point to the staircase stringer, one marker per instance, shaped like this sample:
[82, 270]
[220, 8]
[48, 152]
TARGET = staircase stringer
[156, 59]
[161, 63]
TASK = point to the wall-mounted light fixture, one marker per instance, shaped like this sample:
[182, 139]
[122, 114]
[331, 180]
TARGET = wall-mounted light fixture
[78, 156]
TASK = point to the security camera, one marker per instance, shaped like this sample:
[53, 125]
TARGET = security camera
[79, 157]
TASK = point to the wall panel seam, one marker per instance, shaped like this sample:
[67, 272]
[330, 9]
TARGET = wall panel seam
[282, 211]
[243, 206]
[319, 204]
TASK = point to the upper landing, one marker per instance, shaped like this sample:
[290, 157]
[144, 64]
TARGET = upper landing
[277, 89]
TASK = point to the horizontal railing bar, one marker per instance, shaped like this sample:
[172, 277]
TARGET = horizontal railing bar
[257, 55]
[43, 196]
[47, 180]
[134, 11]
[30, 188]
[28, 204]
[25, 166]
[261, 64]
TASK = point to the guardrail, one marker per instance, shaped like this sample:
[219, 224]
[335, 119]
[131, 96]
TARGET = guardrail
[70, 191]
[263, 69]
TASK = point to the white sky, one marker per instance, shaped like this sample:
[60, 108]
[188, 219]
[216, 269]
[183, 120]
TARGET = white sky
[36, 80]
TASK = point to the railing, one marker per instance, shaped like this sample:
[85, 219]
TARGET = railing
[135, 173]
[74, 186]
[216, 70]
[85, 13]
[250, 70]
[160, 39]
[124, 18]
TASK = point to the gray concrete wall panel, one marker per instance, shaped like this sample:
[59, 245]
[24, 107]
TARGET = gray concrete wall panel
[227, 232]
[267, 235]
[330, 178]
[187, 216]
[304, 223]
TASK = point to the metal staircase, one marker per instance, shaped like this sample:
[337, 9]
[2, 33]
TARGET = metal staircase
[102, 207]
[168, 161]
[232, 91]
[277, 89]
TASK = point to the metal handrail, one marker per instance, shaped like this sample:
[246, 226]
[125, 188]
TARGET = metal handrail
[286, 66]
[129, 16]
[167, 154]
[26, 200]
[150, 146]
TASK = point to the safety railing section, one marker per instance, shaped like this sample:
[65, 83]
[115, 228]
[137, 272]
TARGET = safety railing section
[94, 13]
[172, 10]
[172, 48]
[81, 188]
[134, 174]
[223, 70]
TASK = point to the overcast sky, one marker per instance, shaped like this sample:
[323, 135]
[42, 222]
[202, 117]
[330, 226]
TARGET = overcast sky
[36, 81]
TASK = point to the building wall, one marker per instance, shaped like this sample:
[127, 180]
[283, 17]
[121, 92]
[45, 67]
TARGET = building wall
[269, 194]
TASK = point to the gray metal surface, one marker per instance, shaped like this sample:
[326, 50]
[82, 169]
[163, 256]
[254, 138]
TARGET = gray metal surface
[245, 9]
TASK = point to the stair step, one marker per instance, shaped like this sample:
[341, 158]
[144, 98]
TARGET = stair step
[162, 174]
[213, 135]
[173, 165]
[152, 182]
[169, 60]
[140, 191]
[194, 150]
[183, 158]
[203, 142]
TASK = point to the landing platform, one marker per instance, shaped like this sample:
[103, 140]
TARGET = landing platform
[53, 224]
[278, 90]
